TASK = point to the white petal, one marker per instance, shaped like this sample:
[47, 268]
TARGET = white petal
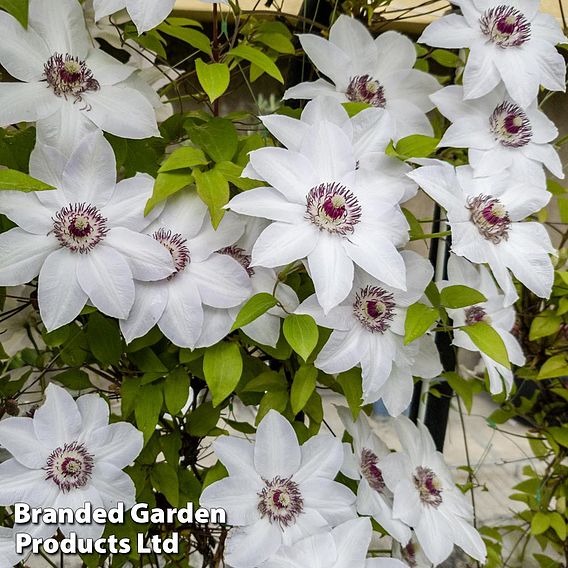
[332, 500]
[57, 421]
[468, 539]
[282, 243]
[74, 500]
[26, 211]
[107, 7]
[222, 282]
[147, 258]
[406, 504]
[25, 102]
[321, 457]
[237, 495]
[63, 29]
[331, 270]
[184, 213]
[252, 545]
[114, 486]
[65, 128]
[342, 352]
[147, 14]
[105, 276]
[94, 413]
[217, 323]
[396, 52]
[552, 67]
[468, 133]
[352, 540]
[90, 173]
[289, 172]
[313, 89]
[268, 203]
[117, 444]
[210, 240]
[289, 131]
[60, 296]
[106, 69]
[546, 154]
[122, 111]
[276, 450]
[22, 255]
[126, 207]
[149, 304]
[480, 75]
[522, 83]
[18, 482]
[450, 32]
[330, 59]
[182, 319]
[47, 164]
[237, 455]
[18, 436]
[434, 534]
[22, 52]
[352, 37]
[408, 119]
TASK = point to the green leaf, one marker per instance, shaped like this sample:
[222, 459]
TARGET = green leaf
[129, 389]
[176, 390]
[164, 478]
[273, 400]
[419, 319]
[74, 379]
[184, 157]
[18, 9]
[560, 434]
[544, 324]
[259, 59]
[214, 78]
[277, 42]
[486, 339]
[194, 38]
[353, 108]
[105, 341]
[539, 523]
[303, 386]
[454, 297]
[556, 366]
[202, 420]
[558, 524]
[18, 181]
[416, 146]
[213, 189]
[254, 307]
[464, 389]
[301, 332]
[554, 187]
[351, 384]
[223, 367]
[446, 58]
[218, 138]
[267, 381]
[167, 183]
[147, 409]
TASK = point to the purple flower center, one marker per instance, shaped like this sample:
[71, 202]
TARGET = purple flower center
[490, 217]
[175, 245]
[505, 26]
[476, 314]
[70, 467]
[370, 471]
[409, 554]
[428, 485]
[374, 308]
[240, 255]
[510, 125]
[333, 208]
[79, 227]
[281, 501]
[365, 89]
[68, 76]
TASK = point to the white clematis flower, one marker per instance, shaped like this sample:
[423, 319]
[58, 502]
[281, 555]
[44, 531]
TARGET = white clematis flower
[343, 547]
[370, 132]
[68, 86]
[83, 239]
[202, 276]
[146, 14]
[68, 455]
[426, 498]
[493, 312]
[362, 462]
[509, 41]
[499, 134]
[368, 330]
[374, 71]
[485, 215]
[265, 329]
[326, 211]
[277, 492]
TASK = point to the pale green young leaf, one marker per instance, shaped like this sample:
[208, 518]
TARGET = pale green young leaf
[18, 181]
[486, 339]
[261, 60]
[419, 319]
[222, 367]
[460, 296]
[254, 307]
[303, 386]
[213, 189]
[301, 332]
[214, 78]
